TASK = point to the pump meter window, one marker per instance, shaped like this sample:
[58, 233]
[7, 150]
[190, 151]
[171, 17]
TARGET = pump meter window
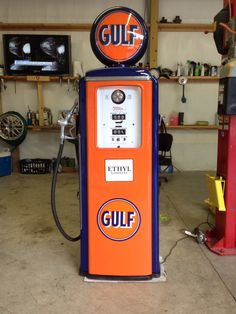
[119, 117]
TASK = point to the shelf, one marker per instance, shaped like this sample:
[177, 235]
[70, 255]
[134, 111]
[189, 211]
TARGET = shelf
[193, 127]
[54, 128]
[37, 128]
[38, 78]
[45, 27]
[72, 78]
[86, 27]
[191, 79]
[189, 27]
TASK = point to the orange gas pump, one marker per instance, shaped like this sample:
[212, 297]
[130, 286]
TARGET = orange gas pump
[119, 154]
[118, 130]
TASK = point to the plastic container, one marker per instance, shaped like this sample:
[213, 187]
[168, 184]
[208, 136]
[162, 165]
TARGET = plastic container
[5, 164]
[35, 166]
[174, 119]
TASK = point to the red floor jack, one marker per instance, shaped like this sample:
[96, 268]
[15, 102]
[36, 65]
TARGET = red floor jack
[222, 238]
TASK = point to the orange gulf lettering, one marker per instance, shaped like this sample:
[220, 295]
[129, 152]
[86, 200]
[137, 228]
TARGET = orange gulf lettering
[110, 253]
[119, 36]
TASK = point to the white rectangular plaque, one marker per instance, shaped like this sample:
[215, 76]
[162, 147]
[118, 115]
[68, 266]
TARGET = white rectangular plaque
[119, 170]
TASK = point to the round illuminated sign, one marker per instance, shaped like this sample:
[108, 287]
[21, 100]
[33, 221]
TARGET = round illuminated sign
[118, 219]
[119, 36]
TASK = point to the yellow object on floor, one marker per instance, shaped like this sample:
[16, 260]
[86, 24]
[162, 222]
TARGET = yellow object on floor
[216, 187]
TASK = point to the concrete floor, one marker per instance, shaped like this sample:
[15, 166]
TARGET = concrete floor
[39, 269]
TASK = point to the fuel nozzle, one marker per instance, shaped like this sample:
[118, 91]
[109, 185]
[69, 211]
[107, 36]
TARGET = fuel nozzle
[69, 121]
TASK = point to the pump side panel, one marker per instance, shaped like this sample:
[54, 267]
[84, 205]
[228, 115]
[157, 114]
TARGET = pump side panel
[131, 256]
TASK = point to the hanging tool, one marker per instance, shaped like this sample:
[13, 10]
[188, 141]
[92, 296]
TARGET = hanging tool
[3, 84]
[68, 84]
[183, 81]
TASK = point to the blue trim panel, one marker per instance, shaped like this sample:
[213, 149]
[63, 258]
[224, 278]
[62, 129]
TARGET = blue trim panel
[119, 71]
[155, 180]
[102, 57]
[83, 176]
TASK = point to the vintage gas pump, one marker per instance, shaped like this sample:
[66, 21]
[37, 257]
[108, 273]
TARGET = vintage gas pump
[117, 148]
[118, 129]
[222, 238]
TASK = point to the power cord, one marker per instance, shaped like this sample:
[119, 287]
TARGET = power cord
[202, 249]
[172, 248]
[210, 262]
[197, 234]
[206, 222]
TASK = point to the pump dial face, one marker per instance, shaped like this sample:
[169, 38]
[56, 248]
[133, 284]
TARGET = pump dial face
[118, 96]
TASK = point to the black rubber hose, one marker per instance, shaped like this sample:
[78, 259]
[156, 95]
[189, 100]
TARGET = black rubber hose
[53, 198]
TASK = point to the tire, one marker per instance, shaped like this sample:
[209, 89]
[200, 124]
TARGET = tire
[13, 128]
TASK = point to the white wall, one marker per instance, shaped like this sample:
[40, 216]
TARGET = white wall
[192, 150]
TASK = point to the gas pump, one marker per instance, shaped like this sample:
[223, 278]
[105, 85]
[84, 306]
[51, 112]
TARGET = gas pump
[118, 131]
[222, 238]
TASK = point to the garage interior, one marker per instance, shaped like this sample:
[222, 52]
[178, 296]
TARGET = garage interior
[39, 269]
